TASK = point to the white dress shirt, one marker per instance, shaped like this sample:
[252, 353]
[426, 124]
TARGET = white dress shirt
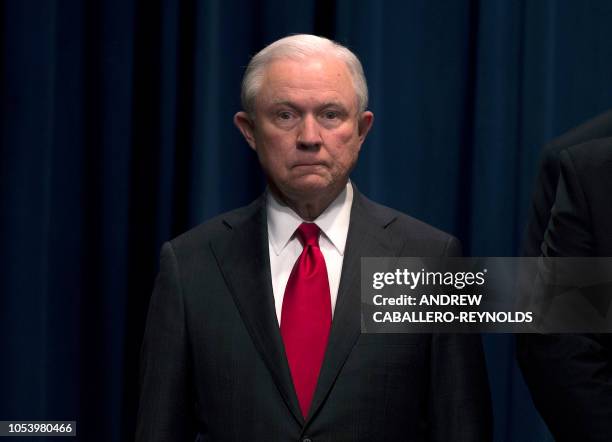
[285, 246]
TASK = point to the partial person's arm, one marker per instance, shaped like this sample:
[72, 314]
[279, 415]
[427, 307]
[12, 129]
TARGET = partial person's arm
[570, 376]
[460, 407]
[166, 407]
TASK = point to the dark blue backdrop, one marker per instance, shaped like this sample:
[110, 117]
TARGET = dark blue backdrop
[116, 134]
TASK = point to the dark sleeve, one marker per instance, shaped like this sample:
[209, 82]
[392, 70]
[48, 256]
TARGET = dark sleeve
[460, 406]
[166, 410]
[542, 200]
[460, 401]
[570, 230]
[570, 376]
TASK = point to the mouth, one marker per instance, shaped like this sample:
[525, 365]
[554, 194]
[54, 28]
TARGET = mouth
[308, 165]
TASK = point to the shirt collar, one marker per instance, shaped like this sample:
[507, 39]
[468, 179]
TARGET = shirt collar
[333, 222]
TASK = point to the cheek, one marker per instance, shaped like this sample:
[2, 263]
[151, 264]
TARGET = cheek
[274, 149]
[346, 145]
[347, 135]
[347, 138]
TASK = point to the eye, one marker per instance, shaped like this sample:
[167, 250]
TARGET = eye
[330, 115]
[284, 115]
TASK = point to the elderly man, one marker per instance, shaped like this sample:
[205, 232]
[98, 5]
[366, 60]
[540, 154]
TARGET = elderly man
[253, 330]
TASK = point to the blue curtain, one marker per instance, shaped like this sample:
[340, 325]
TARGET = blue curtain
[116, 134]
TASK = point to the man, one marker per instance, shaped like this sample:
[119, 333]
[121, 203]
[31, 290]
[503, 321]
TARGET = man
[570, 376]
[253, 330]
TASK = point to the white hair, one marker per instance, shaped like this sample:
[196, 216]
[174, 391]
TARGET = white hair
[298, 47]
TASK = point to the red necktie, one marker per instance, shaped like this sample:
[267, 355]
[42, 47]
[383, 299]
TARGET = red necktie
[306, 316]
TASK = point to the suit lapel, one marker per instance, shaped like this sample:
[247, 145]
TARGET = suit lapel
[366, 237]
[243, 256]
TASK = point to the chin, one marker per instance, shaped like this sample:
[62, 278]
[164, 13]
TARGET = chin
[312, 187]
[311, 182]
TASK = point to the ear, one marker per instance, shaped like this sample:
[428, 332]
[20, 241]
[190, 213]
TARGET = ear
[365, 123]
[243, 122]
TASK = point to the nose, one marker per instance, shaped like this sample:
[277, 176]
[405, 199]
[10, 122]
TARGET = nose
[309, 135]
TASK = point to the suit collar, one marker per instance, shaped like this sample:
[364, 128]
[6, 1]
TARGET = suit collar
[333, 222]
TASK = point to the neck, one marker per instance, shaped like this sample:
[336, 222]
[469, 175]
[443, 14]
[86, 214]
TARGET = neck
[308, 209]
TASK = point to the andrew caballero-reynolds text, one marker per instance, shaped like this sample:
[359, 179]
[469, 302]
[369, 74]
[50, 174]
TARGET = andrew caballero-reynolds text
[422, 308]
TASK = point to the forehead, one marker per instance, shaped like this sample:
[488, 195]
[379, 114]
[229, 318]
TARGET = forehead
[313, 79]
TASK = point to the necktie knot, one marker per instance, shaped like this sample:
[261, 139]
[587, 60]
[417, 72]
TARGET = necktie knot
[309, 234]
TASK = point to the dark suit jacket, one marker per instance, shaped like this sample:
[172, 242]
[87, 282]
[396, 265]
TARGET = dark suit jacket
[213, 360]
[548, 176]
[570, 376]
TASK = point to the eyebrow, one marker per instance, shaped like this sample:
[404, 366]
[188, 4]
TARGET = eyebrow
[325, 105]
[282, 103]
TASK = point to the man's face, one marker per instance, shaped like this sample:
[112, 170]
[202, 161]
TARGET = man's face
[306, 130]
